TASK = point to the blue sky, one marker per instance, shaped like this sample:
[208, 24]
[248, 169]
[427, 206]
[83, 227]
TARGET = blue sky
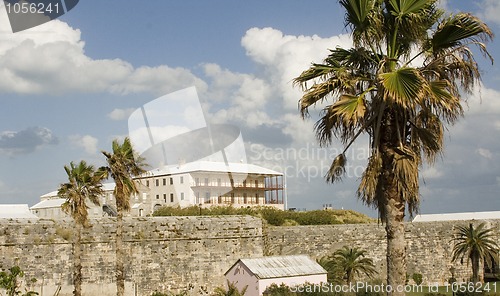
[68, 86]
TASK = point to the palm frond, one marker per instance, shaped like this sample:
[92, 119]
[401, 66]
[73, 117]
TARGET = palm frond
[337, 169]
[404, 87]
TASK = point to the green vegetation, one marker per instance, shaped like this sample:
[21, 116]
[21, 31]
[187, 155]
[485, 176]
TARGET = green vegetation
[231, 290]
[477, 245]
[273, 216]
[346, 263]
[377, 88]
[417, 278]
[9, 280]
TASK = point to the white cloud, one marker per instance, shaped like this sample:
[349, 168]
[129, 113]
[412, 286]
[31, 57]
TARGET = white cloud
[246, 95]
[87, 142]
[431, 173]
[120, 114]
[484, 153]
[50, 58]
[284, 57]
[490, 11]
[483, 101]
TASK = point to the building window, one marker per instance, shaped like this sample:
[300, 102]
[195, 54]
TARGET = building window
[147, 183]
[206, 181]
[197, 181]
[171, 197]
[207, 195]
[164, 181]
[157, 196]
[157, 182]
[245, 183]
[141, 212]
[219, 182]
[171, 181]
[165, 197]
[182, 179]
[182, 195]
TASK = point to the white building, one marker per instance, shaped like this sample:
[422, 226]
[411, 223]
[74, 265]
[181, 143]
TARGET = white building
[201, 183]
[257, 274]
[492, 215]
[15, 211]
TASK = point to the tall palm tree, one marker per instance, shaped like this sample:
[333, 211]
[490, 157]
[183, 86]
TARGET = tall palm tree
[123, 166]
[84, 183]
[477, 245]
[402, 80]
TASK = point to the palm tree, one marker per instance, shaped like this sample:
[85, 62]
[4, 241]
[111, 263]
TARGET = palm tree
[478, 245]
[123, 166]
[84, 183]
[350, 262]
[231, 290]
[400, 83]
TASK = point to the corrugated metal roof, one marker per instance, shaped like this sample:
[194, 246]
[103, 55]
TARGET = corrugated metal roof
[282, 266]
[49, 203]
[457, 216]
[16, 211]
[212, 166]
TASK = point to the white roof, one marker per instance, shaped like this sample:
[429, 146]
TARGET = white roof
[212, 166]
[282, 266]
[49, 203]
[105, 187]
[457, 216]
[16, 211]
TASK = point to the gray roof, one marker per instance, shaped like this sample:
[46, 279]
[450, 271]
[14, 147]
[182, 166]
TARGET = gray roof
[282, 266]
[458, 216]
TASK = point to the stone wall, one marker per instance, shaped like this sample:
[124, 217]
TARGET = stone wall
[178, 253]
[193, 253]
[429, 245]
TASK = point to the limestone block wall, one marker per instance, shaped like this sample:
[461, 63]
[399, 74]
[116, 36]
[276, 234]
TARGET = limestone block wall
[193, 253]
[167, 253]
[429, 245]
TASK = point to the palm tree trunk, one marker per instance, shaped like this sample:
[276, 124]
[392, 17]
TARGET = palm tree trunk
[396, 252]
[120, 269]
[475, 267]
[393, 210]
[77, 261]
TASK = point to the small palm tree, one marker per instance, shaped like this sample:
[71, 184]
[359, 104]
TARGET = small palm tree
[84, 183]
[476, 245]
[123, 166]
[231, 290]
[353, 262]
[334, 274]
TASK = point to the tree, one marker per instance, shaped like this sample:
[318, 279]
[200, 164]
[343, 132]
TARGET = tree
[231, 290]
[347, 263]
[84, 183]
[123, 166]
[402, 80]
[477, 245]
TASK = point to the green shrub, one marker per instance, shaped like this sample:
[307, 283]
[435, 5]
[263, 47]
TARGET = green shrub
[417, 278]
[271, 215]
